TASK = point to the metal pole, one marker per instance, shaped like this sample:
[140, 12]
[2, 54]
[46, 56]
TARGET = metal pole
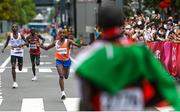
[75, 19]
[119, 3]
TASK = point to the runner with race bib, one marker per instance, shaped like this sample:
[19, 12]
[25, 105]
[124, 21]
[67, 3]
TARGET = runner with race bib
[34, 41]
[63, 61]
[17, 41]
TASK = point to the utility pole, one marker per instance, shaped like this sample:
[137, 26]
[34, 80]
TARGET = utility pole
[119, 3]
[75, 18]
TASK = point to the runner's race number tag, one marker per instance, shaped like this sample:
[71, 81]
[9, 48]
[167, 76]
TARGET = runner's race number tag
[128, 99]
[33, 46]
[17, 50]
[62, 50]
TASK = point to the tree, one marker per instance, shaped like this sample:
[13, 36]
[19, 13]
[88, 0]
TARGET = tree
[154, 5]
[20, 11]
[127, 8]
[6, 10]
[26, 11]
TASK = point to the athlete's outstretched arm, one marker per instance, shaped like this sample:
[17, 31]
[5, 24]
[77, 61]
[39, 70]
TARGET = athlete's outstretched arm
[74, 43]
[26, 43]
[40, 37]
[48, 47]
[5, 45]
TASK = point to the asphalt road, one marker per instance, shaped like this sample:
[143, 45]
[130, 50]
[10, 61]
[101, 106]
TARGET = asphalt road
[35, 96]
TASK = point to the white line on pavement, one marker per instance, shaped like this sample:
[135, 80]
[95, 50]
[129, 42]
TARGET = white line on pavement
[73, 60]
[27, 67]
[1, 70]
[1, 101]
[45, 70]
[2, 43]
[46, 44]
[22, 71]
[32, 105]
[71, 104]
[45, 63]
[5, 62]
[165, 109]
[43, 56]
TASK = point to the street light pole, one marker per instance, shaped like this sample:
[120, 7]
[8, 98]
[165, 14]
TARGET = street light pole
[75, 19]
[119, 3]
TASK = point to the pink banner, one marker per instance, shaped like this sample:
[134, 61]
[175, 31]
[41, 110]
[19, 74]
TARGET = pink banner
[174, 59]
[169, 54]
[178, 60]
[166, 59]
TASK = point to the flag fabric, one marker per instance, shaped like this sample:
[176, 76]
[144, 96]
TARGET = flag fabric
[114, 67]
[174, 59]
[178, 60]
[167, 56]
[168, 53]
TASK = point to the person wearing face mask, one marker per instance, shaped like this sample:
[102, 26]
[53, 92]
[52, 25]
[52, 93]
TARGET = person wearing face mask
[161, 34]
[147, 34]
[169, 28]
[63, 61]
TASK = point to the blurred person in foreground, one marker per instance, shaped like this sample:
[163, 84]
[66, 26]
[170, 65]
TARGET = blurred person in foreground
[116, 76]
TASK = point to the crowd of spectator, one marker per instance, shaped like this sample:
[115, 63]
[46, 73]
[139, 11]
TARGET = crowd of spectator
[142, 29]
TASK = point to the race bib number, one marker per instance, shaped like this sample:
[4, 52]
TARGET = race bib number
[62, 50]
[129, 99]
[17, 50]
[33, 46]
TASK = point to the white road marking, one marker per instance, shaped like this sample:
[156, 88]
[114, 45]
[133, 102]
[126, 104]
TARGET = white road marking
[165, 109]
[5, 62]
[1, 101]
[71, 104]
[40, 69]
[43, 56]
[22, 71]
[2, 43]
[71, 70]
[46, 44]
[45, 70]
[45, 63]
[1, 70]
[32, 105]
[73, 60]
[52, 67]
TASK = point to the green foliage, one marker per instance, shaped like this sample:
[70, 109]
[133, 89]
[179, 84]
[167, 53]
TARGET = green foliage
[52, 15]
[151, 4]
[127, 8]
[2, 38]
[154, 4]
[6, 10]
[176, 5]
[20, 11]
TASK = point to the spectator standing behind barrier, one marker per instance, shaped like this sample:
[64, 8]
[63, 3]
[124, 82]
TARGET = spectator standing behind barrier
[114, 76]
